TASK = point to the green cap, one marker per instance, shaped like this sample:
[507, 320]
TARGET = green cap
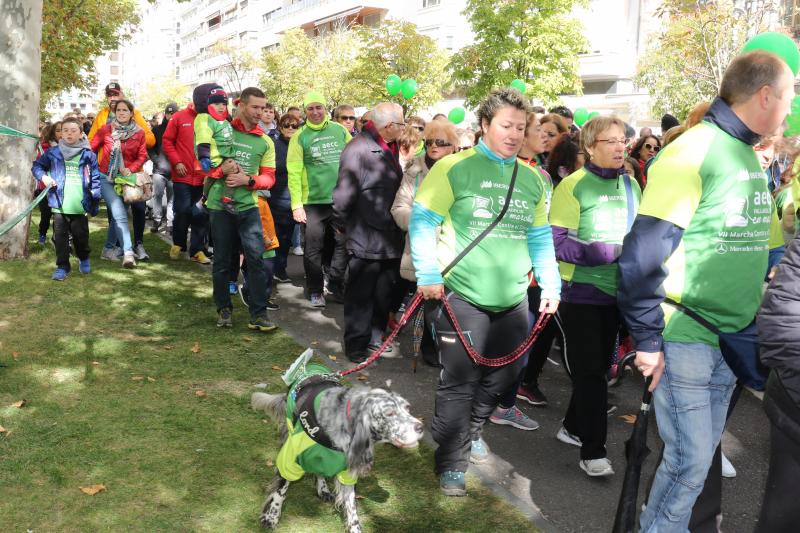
[313, 97]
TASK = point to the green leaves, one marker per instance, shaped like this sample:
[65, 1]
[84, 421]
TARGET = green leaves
[536, 42]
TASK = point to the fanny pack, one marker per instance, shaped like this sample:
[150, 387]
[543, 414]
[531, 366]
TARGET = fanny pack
[739, 349]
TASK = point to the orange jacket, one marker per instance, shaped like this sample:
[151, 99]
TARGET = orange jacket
[267, 225]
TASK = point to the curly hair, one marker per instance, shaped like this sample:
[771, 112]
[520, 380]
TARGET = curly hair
[500, 98]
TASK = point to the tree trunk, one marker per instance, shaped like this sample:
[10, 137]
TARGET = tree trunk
[20, 73]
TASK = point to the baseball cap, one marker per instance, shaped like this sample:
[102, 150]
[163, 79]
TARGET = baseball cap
[113, 88]
[172, 107]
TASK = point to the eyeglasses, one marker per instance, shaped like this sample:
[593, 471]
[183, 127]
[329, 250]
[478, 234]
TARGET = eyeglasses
[652, 147]
[440, 143]
[291, 126]
[347, 118]
[612, 142]
[419, 128]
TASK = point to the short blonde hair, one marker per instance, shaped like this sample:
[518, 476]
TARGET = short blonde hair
[594, 128]
[441, 129]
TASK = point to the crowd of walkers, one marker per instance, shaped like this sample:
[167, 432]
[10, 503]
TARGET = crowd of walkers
[623, 238]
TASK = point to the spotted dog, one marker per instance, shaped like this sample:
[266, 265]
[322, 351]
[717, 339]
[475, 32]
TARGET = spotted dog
[330, 431]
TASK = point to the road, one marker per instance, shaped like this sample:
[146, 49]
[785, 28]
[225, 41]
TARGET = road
[539, 474]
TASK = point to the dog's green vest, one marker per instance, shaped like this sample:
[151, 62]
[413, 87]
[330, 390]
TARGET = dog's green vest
[301, 453]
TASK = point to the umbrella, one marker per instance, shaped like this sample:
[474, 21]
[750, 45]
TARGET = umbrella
[419, 331]
[636, 451]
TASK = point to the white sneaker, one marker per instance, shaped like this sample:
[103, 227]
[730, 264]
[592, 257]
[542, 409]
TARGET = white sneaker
[568, 438]
[140, 253]
[597, 467]
[297, 250]
[727, 468]
[128, 260]
[110, 254]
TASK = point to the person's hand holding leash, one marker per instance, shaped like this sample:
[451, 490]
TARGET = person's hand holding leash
[432, 292]
[548, 306]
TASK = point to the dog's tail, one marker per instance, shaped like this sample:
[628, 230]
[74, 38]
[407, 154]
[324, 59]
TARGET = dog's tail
[273, 405]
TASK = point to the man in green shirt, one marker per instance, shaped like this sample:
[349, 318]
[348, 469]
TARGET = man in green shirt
[702, 237]
[312, 162]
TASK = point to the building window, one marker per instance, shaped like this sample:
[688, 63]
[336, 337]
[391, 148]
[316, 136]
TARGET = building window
[269, 18]
[114, 70]
[243, 4]
[83, 106]
[430, 3]
[214, 21]
[178, 27]
[114, 56]
[448, 42]
[177, 49]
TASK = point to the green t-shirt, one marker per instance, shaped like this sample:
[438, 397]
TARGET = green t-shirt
[251, 152]
[218, 134]
[73, 188]
[312, 162]
[593, 209]
[468, 189]
[711, 185]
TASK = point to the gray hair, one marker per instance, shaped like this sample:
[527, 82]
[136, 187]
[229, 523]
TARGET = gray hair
[500, 98]
[385, 113]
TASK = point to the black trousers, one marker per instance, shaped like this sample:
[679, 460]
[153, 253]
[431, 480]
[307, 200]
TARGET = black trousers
[47, 213]
[541, 348]
[780, 512]
[367, 302]
[319, 222]
[589, 335]
[63, 227]
[467, 393]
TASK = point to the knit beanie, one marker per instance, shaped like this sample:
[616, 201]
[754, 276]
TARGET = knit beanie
[217, 96]
[312, 97]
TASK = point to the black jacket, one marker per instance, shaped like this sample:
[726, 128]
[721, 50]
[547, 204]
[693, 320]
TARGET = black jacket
[369, 177]
[779, 333]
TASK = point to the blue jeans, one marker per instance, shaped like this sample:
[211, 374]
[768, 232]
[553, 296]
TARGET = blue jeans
[691, 404]
[186, 213]
[118, 217]
[224, 228]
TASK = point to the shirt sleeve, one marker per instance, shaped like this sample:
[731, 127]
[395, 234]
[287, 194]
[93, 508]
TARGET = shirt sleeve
[294, 170]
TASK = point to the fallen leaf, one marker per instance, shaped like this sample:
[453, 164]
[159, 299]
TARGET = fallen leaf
[359, 497]
[332, 357]
[20, 403]
[95, 363]
[247, 339]
[276, 367]
[15, 355]
[196, 348]
[91, 490]
[168, 347]
[200, 393]
[137, 378]
[362, 378]
[314, 343]
[2, 429]
[629, 419]
[150, 379]
[270, 462]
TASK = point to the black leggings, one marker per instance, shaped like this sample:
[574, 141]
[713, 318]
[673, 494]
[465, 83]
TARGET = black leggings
[467, 393]
[47, 213]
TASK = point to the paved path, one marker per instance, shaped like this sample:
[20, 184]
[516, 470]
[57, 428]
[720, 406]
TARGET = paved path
[532, 469]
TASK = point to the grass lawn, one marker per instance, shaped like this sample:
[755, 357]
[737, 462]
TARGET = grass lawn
[128, 383]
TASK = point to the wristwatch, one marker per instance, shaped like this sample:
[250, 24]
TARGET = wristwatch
[251, 182]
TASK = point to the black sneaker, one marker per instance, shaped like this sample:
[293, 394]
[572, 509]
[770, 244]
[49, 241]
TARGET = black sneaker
[283, 277]
[262, 323]
[272, 305]
[357, 358]
[532, 394]
[225, 320]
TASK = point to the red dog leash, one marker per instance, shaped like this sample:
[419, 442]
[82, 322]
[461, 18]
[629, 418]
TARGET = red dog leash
[411, 308]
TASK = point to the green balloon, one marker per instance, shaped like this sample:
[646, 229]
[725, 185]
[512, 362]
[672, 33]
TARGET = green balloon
[409, 89]
[519, 85]
[592, 115]
[779, 44]
[456, 115]
[793, 120]
[393, 84]
[580, 116]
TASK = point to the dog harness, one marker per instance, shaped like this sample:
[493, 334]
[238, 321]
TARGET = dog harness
[308, 448]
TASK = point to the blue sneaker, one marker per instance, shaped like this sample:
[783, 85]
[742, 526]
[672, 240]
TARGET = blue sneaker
[452, 483]
[480, 451]
[42, 240]
[60, 274]
[233, 287]
[84, 266]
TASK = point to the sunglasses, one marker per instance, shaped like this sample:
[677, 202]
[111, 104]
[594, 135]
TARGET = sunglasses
[291, 126]
[654, 148]
[438, 142]
[347, 118]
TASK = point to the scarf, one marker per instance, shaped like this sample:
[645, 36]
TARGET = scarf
[607, 173]
[119, 133]
[71, 150]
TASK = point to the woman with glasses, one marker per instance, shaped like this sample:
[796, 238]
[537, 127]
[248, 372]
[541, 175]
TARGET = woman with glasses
[279, 200]
[645, 149]
[462, 195]
[592, 211]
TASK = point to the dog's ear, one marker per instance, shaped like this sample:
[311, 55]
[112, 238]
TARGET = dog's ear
[360, 453]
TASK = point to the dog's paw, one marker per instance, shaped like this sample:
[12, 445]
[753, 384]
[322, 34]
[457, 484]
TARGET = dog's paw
[269, 520]
[354, 528]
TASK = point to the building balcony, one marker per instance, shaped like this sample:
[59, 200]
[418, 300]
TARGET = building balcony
[313, 15]
[611, 65]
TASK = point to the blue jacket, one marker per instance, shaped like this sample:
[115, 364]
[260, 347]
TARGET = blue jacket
[52, 162]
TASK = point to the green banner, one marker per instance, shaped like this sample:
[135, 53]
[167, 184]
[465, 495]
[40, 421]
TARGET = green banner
[11, 132]
[8, 224]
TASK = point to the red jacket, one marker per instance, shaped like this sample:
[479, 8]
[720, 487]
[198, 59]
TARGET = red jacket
[178, 145]
[134, 149]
